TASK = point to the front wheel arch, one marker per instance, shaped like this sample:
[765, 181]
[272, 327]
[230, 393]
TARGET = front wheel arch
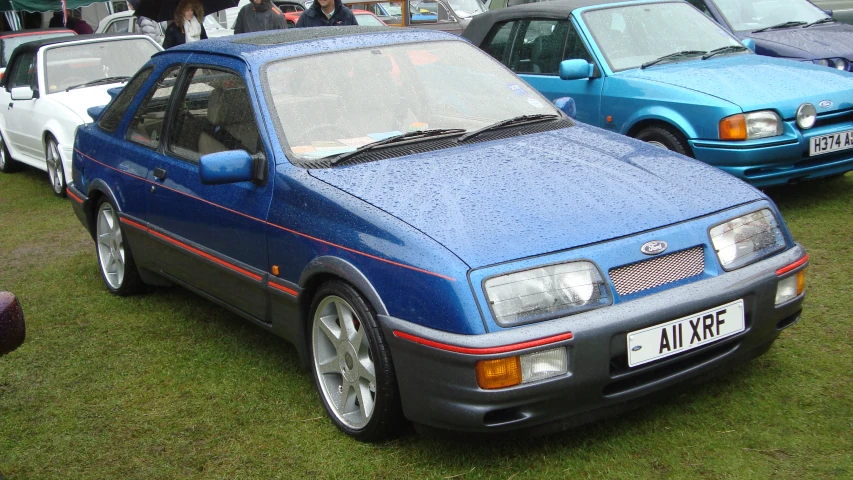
[647, 124]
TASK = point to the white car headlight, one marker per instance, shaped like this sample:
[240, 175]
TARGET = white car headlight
[806, 116]
[546, 292]
[747, 239]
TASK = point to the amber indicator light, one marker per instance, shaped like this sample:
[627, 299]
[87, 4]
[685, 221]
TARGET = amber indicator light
[499, 373]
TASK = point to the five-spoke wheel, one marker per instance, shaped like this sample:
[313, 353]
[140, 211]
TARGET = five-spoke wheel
[55, 172]
[352, 364]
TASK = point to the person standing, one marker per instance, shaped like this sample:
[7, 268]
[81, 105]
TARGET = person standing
[187, 26]
[326, 13]
[143, 25]
[258, 16]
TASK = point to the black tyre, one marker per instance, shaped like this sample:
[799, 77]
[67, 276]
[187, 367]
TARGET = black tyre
[55, 171]
[114, 257]
[665, 137]
[352, 364]
[7, 165]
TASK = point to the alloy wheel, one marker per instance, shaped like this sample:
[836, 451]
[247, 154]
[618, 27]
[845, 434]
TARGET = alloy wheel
[111, 254]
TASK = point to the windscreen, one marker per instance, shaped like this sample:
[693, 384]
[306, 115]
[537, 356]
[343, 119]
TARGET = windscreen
[333, 103]
[632, 35]
[756, 14]
[78, 64]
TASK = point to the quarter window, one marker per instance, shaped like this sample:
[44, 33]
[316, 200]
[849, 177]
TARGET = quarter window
[147, 124]
[214, 114]
[112, 116]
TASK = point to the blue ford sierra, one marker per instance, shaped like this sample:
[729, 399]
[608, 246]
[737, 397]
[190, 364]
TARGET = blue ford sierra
[661, 71]
[791, 29]
[445, 247]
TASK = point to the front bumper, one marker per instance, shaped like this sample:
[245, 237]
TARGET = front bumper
[439, 389]
[776, 160]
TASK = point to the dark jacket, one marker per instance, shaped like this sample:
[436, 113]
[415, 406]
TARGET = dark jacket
[175, 35]
[314, 16]
[257, 18]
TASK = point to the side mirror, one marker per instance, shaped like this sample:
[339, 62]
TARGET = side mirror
[828, 12]
[95, 112]
[12, 328]
[232, 166]
[22, 93]
[749, 43]
[576, 69]
[567, 105]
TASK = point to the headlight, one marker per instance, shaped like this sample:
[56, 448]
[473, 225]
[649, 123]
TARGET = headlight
[806, 116]
[747, 239]
[750, 126]
[841, 64]
[822, 62]
[546, 292]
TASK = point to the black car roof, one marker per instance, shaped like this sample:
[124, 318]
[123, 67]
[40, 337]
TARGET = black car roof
[481, 24]
[36, 44]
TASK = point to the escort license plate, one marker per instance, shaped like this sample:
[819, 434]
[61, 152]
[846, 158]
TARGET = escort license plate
[687, 333]
[831, 143]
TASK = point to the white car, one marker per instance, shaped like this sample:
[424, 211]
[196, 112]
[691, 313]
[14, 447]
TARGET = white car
[48, 87]
[122, 22]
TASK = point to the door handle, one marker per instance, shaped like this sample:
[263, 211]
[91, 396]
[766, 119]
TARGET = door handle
[11, 104]
[159, 174]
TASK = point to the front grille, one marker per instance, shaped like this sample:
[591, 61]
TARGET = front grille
[658, 271]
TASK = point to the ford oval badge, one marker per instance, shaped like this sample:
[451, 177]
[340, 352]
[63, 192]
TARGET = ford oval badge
[825, 104]
[654, 247]
[637, 348]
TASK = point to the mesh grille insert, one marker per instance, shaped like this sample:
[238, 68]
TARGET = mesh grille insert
[658, 271]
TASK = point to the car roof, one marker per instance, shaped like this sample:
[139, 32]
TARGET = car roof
[34, 31]
[37, 44]
[558, 9]
[260, 47]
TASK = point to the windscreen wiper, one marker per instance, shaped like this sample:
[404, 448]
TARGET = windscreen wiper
[727, 49]
[416, 135]
[818, 22]
[100, 81]
[671, 56]
[795, 23]
[537, 117]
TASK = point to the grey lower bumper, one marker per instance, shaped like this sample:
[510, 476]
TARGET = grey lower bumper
[439, 387]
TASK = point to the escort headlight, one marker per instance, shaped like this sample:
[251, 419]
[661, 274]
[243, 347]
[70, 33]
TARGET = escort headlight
[747, 239]
[750, 126]
[823, 62]
[546, 292]
[806, 116]
[841, 64]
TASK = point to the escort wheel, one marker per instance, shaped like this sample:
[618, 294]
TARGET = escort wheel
[55, 172]
[114, 258]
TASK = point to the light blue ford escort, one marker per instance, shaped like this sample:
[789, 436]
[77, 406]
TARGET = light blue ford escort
[662, 72]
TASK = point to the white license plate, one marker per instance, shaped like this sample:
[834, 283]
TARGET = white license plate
[831, 143]
[687, 333]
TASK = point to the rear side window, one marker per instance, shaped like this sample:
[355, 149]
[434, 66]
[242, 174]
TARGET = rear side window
[499, 41]
[147, 124]
[536, 46]
[23, 72]
[112, 116]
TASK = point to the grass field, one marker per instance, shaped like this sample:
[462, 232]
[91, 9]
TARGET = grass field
[168, 385]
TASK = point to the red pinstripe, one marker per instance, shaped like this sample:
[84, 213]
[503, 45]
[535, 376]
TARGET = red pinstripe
[205, 255]
[294, 232]
[484, 351]
[284, 289]
[793, 266]
[75, 197]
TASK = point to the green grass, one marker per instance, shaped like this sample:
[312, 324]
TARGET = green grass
[168, 385]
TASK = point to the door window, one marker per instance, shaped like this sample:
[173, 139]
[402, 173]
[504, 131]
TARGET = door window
[214, 114]
[147, 124]
[23, 72]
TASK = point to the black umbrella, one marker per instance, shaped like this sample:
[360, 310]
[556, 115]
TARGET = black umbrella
[164, 10]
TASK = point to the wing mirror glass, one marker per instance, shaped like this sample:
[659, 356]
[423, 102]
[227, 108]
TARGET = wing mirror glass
[749, 43]
[232, 166]
[22, 93]
[576, 69]
[12, 328]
